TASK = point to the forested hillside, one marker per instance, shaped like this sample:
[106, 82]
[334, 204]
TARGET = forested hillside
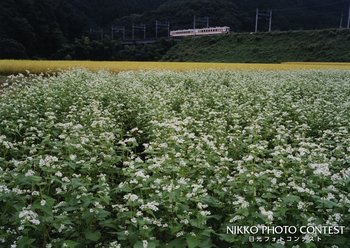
[42, 28]
[39, 28]
[240, 15]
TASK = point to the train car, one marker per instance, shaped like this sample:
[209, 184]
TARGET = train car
[200, 32]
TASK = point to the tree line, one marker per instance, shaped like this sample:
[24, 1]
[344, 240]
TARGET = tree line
[47, 29]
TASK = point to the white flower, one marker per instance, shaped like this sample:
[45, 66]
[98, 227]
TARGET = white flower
[248, 158]
[268, 214]
[66, 179]
[321, 169]
[201, 206]
[48, 161]
[205, 213]
[241, 202]
[234, 219]
[131, 197]
[114, 244]
[179, 234]
[184, 221]
[42, 202]
[301, 205]
[72, 157]
[61, 228]
[150, 205]
[141, 174]
[58, 174]
[29, 215]
[29, 173]
[145, 243]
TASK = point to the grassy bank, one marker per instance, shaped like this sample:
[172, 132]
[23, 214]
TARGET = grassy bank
[324, 45]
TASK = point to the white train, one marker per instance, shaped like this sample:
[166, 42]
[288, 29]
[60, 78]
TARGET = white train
[200, 31]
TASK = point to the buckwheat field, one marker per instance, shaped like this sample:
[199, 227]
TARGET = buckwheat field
[171, 159]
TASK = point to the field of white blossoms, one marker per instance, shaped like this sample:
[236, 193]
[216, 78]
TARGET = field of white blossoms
[171, 159]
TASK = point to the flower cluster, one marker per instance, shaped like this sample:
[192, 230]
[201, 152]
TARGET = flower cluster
[155, 159]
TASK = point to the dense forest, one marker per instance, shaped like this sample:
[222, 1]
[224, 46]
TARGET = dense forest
[59, 28]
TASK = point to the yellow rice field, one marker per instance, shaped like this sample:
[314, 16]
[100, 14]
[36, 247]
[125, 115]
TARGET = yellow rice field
[38, 66]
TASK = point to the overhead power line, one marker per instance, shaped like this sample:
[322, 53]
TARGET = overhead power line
[315, 6]
[300, 7]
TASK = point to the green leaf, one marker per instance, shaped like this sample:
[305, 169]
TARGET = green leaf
[93, 236]
[212, 201]
[25, 242]
[290, 199]
[35, 179]
[216, 217]
[71, 243]
[150, 244]
[192, 241]
[181, 242]
[327, 204]
[206, 243]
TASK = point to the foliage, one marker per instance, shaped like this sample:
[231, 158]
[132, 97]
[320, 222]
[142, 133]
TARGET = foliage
[107, 49]
[11, 49]
[240, 15]
[43, 27]
[165, 159]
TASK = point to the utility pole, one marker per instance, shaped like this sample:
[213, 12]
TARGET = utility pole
[156, 29]
[270, 21]
[202, 21]
[118, 29]
[139, 27]
[168, 29]
[341, 21]
[123, 30]
[256, 20]
[133, 32]
[160, 25]
[266, 16]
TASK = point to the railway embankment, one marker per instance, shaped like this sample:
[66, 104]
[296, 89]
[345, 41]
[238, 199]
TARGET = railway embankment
[275, 47]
